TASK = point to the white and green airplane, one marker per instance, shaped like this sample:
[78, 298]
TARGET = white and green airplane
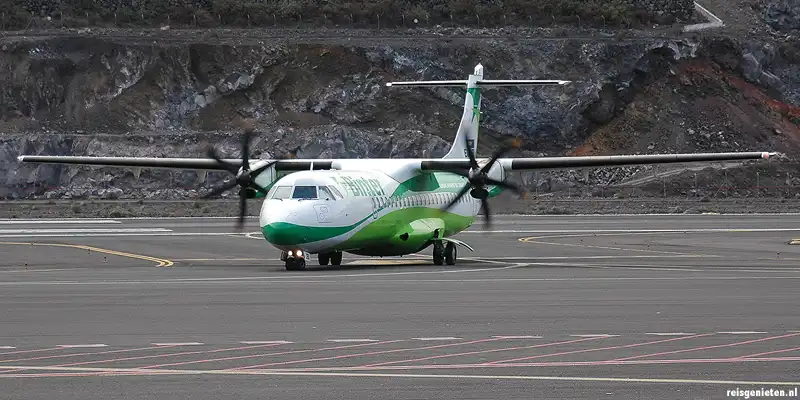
[381, 207]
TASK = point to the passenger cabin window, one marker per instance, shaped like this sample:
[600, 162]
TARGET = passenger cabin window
[305, 192]
[281, 192]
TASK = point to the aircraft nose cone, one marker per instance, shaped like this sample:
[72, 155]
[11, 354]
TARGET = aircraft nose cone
[282, 233]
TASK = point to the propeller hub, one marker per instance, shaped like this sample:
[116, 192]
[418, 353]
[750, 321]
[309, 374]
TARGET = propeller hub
[479, 193]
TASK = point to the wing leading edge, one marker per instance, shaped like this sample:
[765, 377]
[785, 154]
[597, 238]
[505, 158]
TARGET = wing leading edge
[549, 163]
[176, 163]
[509, 164]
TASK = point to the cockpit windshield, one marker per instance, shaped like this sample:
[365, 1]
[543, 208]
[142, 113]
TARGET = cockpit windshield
[281, 192]
[305, 192]
[325, 193]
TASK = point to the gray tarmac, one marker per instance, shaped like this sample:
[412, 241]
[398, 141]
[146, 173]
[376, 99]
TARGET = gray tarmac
[613, 306]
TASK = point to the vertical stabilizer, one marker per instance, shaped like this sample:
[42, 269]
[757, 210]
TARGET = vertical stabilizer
[470, 119]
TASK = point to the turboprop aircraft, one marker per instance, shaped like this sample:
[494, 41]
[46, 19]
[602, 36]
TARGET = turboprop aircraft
[382, 207]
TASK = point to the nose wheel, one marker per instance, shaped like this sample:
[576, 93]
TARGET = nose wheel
[295, 264]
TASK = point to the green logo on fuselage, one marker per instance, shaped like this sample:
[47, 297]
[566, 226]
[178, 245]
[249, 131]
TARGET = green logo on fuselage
[358, 186]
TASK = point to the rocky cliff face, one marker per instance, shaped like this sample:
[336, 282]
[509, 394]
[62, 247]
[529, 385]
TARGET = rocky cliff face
[95, 96]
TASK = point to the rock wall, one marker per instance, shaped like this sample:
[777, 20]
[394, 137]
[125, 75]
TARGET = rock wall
[783, 15]
[86, 96]
[681, 10]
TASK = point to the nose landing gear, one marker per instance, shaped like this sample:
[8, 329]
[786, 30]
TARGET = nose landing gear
[295, 260]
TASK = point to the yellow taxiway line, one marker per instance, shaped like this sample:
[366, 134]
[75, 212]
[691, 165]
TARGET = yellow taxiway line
[160, 262]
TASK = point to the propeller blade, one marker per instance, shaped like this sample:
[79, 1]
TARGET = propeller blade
[258, 188]
[506, 185]
[486, 214]
[471, 154]
[458, 197]
[246, 150]
[212, 153]
[224, 188]
[242, 208]
[497, 154]
[460, 173]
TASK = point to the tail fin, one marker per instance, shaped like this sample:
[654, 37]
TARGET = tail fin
[470, 119]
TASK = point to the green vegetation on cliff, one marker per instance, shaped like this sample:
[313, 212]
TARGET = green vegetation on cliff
[21, 14]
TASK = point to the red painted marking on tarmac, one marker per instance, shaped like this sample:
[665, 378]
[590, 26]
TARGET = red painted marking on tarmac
[542, 364]
[369, 353]
[272, 354]
[707, 347]
[183, 353]
[83, 354]
[769, 352]
[600, 348]
[480, 352]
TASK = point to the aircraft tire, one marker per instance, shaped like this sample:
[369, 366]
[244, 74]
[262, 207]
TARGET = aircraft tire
[336, 258]
[324, 258]
[450, 254]
[438, 253]
[295, 264]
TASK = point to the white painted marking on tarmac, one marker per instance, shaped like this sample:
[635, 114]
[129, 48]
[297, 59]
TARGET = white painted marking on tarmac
[261, 280]
[688, 230]
[154, 232]
[57, 221]
[352, 340]
[594, 335]
[741, 332]
[267, 372]
[265, 342]
[437, 338]
[7, 347]
[80, 346]
[94, 230]
[517, 337]
[670, 333]
[179, 344]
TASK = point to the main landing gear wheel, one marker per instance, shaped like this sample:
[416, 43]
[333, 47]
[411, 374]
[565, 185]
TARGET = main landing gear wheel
[450, 253]
[438, 253]
[295, 264]
[334, 258]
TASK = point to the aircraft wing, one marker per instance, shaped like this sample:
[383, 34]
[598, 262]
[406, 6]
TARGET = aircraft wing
[206, 164]
[550, 163]
[437, 164]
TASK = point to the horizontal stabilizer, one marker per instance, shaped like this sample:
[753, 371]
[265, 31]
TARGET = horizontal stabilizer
[427, 83]
[481, 83]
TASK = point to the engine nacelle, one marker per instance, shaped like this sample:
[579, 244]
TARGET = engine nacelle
[265, 179]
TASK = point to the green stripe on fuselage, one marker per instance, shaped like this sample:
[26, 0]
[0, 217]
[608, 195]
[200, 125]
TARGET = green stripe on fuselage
[384, 229]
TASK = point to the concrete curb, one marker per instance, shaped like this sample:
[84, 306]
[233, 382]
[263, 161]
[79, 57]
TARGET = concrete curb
[714, 21]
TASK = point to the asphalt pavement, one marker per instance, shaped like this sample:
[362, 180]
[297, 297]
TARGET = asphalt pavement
[648, 306]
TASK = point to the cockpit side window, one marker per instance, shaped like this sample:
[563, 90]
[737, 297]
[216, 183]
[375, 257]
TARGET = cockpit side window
[326, 194]
[305, 192]
[281, 192]
[336, 192]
